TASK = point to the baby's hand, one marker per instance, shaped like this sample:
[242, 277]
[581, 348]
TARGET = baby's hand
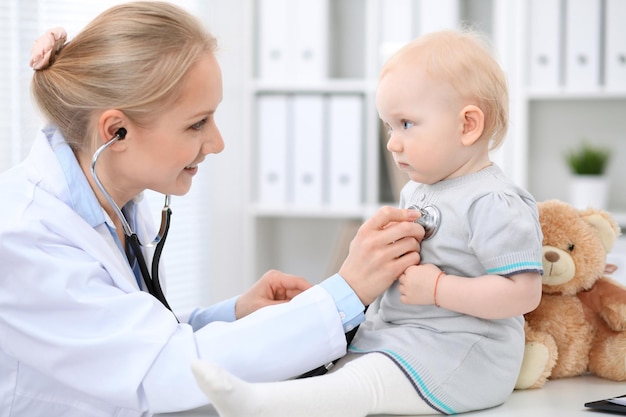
[417, 284]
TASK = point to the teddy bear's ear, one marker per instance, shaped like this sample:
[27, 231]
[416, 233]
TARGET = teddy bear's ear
[607, 228]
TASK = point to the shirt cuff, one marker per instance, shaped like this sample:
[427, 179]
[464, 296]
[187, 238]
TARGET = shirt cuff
[349, 306]
[222, 311]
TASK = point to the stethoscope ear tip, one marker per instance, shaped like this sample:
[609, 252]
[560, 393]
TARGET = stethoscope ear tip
[121, 133]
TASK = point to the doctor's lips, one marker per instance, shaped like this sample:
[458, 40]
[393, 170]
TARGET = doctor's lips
[194, 165]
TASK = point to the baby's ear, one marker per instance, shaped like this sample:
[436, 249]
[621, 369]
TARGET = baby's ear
[473, 124]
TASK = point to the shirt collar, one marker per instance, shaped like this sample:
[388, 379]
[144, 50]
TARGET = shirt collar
[82, 198]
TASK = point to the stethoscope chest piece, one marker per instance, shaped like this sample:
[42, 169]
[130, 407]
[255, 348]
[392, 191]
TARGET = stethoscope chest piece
[430, 219]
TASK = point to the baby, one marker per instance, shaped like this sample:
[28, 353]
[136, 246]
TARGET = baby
[448, 336]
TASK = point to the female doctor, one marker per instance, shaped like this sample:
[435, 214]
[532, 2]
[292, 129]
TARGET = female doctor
[85, 329]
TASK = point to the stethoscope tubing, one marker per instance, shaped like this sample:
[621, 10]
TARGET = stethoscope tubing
[96, 156]
[151, 280]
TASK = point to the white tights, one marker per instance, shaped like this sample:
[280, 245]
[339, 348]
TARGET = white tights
[359, 386]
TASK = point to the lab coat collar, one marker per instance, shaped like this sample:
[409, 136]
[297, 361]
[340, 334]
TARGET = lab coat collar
[80, 195]
[67, 181]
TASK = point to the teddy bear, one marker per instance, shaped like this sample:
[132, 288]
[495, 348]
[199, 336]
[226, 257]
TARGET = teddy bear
[580, 323]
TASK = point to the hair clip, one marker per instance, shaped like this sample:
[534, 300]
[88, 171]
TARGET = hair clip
[44, 46]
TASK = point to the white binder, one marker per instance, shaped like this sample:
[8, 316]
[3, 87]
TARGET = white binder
[272, 121]
[293, 39]
[307, 134]
[545, 25]
[396, 26]
[273, 39]
[345, 142]
[309, 31]
[582, 45]
[615, 64]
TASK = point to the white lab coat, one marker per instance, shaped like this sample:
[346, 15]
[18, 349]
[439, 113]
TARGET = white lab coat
[78, 337]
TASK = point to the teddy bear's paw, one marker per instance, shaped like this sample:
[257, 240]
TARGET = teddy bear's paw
[536, 366]
[608, 359]
[614, 315]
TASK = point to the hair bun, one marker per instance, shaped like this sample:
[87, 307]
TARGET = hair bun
[50, 42]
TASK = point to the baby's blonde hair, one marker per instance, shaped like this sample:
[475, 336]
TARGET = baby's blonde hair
[463, 60]
[131, 58]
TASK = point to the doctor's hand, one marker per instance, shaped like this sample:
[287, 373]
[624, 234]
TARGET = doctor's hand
[383, 248]
[274, 287]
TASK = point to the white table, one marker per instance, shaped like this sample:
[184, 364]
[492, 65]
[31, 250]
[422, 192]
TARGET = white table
[558, 398]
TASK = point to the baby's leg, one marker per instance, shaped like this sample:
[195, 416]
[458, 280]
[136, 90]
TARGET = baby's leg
[369, 384]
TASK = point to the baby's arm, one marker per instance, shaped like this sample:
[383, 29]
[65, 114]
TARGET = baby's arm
[488, 296]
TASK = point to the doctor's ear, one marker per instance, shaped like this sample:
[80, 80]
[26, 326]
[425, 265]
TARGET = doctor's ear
[112, 124]
[473, 124]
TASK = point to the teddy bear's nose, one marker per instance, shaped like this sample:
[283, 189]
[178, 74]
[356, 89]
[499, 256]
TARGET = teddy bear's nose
[551, 256]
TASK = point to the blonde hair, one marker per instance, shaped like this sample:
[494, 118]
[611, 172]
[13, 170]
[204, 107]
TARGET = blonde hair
[463, 60]
[131, 58]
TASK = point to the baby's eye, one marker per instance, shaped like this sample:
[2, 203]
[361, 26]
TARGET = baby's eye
[199, 125]
[406, 124]
[389, 131]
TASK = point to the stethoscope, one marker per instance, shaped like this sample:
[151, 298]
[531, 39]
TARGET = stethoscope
[151, 280]
[430, 219]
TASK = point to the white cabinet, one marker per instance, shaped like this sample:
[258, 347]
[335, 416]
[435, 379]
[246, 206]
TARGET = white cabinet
[554, 114]
[283, 233]
[330, 159]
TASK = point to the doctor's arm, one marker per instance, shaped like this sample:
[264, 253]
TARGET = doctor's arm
[383, 248]
[274, 287]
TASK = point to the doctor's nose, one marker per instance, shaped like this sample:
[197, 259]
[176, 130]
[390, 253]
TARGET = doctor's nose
[214, 142]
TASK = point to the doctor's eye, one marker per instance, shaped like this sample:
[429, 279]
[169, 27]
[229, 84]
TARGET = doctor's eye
[199, 125]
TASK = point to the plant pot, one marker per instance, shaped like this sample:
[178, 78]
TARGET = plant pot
[587, 191]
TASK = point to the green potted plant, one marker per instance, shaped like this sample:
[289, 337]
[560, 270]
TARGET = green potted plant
[589, 185]
[588, 159]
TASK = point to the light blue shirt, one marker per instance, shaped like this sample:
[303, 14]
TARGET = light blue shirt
[351, 310]
[349, 306]
[83, 199]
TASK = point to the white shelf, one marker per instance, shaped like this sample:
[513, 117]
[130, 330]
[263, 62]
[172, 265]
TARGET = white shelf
[351, 86]
[564, 94]
[321, 212]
